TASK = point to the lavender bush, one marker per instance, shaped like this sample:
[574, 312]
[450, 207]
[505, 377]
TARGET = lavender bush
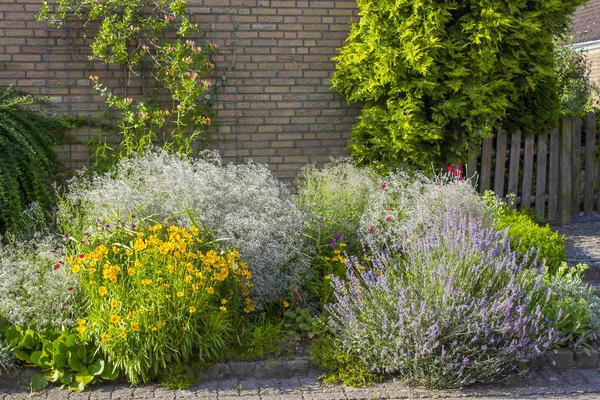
[242, 203]
[456, 309]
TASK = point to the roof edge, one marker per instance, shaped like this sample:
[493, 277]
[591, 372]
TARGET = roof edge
[591, 45]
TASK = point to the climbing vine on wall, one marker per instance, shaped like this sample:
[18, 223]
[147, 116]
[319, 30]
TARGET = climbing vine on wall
[131, 33]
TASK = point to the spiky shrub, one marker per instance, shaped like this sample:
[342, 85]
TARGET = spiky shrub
[457, 309]
[27, 160]
[242, 203]
[157, 295]
[35, 287]
[7, 358]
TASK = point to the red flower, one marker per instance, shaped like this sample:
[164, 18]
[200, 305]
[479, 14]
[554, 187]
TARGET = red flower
[371, 229]
[449, 168]
[52, 251]
[70, 288]
[388, 218]
[57, 266]
[383, 185]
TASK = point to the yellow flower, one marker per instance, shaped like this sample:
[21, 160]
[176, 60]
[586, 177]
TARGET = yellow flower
[195, 286]
[76, 268]
[102, 290]
[146, 281]
[131, 271]
[114, 303]
[286, 304]
[327, 277]
[194, 230]
[123, 335]
[92, 283]
[140, 234]
[92, 270]
[210, 290]
[168, 296]
[155, 228]
[115, 319]
[134, 326]
[224, 301]
[80, 329]
[342, 244]
[81, 322]
[116, 250]
[223, 308]
[138, 265]
[104, 337]
[192, 309]
[188, 278]
[129, 253]
[336, 251]
[179, 294]
[248, 306]
[139, 245]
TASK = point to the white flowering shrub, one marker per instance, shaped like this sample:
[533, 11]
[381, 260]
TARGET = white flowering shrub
[36, 288]
[242, 203]
[405, 206]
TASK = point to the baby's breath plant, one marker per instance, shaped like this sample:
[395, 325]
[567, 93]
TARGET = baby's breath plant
[159, 295]
[242, 203]
[455, 308]
[36, 287]
[406, 204]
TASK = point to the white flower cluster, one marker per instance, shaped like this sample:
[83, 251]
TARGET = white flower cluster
[35, 288]
[243, 203]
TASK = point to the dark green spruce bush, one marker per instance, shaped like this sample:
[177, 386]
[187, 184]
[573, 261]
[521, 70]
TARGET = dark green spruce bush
[27, 160]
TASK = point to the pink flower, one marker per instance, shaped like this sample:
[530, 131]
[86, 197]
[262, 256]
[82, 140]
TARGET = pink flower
[437, 184]
[461, 179]
[449, 168]
[454, 173]
[371, 229]
[52, 251]
[388, 218]
[383, 185]
[57, 266]
[458, 166]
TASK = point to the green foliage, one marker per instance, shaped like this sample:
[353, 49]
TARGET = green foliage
[63, 357]
[574, 308]
[130, 34]
[180, 376]
[338, 365]
[300, 323]
[575, 88]
[436, 77]
[526, 234]
[259, 338]
[27, 160]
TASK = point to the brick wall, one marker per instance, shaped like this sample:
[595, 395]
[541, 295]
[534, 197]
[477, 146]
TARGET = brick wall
[276, 108]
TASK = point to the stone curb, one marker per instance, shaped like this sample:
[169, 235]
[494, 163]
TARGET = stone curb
[561, 359]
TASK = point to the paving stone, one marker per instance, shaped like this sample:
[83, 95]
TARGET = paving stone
[185, 394]
[585, 360]
[249, 387]
[573, 377]
[324, 396]
[229, 387]
[286, 396]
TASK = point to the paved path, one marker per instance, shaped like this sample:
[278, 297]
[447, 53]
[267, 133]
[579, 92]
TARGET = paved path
[583, 245]
[582, 238]
[580, 384]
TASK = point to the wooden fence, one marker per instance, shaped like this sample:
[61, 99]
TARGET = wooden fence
[557, 173]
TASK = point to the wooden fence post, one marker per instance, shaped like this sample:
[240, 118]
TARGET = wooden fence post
[553, 174]
[590, 165]
[500, 163]
[576, 167]
[513, 170]
[527, 171]
[486, 165]
[540, 177]
[564, 197]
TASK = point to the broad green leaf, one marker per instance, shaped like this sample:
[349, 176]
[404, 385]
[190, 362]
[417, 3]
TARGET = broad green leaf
[38, 382]
[76, 364]
[97, 367]
[67, 378]
[54, 375]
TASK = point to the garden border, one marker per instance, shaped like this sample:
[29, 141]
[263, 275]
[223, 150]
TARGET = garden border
[560, 359]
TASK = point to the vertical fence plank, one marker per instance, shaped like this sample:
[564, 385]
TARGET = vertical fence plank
[540, 177]
[513, 169]
[576, 167]
[590, 165]
[500, 163]
[527, 171]
[564, 173]
[553, 174]
[486, 165]
[472, 166]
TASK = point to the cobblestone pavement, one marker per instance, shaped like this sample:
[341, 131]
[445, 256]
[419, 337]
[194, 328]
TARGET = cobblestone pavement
[580, 384]
[582, 239]
[583, 245]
